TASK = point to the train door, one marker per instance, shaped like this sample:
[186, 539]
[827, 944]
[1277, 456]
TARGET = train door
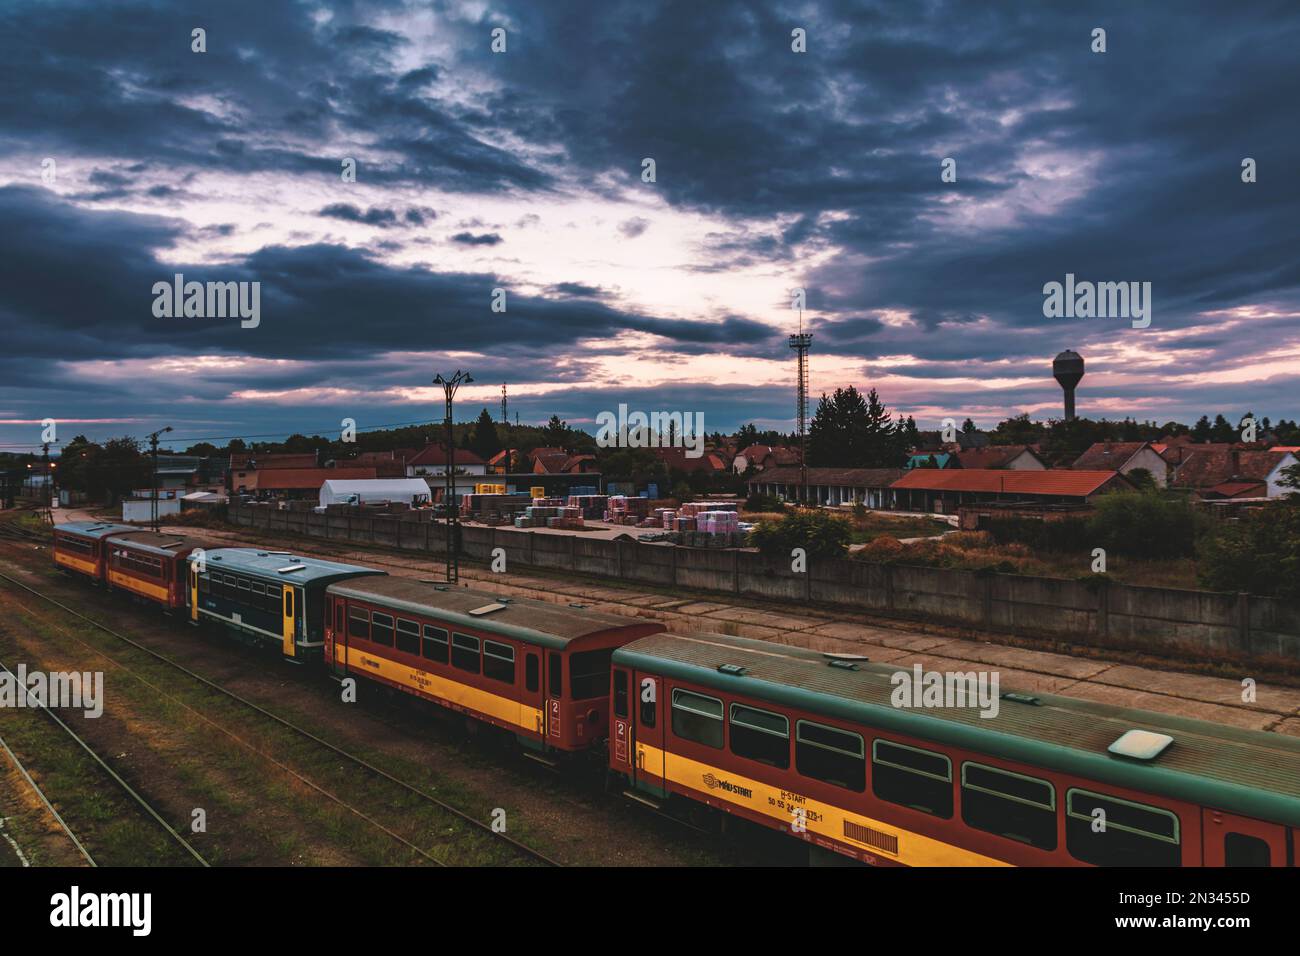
[1240, 841]
[620, 721]
[648, 734]
[290, 603]
[534, 696]
[339, 660]
[554, 697]
[194, 591]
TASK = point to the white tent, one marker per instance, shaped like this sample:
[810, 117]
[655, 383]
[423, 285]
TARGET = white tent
[411, 491]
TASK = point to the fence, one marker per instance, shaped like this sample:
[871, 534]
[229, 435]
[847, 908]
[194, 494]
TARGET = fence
[1090, 611]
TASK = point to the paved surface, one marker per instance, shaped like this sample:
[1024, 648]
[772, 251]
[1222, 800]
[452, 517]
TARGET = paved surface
[1218, 699]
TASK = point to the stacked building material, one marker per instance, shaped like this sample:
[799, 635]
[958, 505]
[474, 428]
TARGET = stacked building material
[697, 507]
[583, 490]
[566, 522]
[536, 516]
[627, 510]
[543, 502]
[717, 522]
[593, 506]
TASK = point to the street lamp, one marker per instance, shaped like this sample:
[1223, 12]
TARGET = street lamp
[153, 510]
[449, 386]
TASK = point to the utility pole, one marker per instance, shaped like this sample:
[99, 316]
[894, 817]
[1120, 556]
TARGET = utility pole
[449, 386]
[505, 417]
[801, 343]
[48, 516]
[153, 508]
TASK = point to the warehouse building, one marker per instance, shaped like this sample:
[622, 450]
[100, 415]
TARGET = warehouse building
[829, 486]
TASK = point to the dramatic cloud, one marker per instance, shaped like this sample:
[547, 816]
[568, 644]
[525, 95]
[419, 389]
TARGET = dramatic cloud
[379, 171]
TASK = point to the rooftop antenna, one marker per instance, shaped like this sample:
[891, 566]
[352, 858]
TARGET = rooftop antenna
[801, 343]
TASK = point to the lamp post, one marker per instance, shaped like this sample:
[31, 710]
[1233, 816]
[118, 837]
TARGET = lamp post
[153, 508]
[449, 386]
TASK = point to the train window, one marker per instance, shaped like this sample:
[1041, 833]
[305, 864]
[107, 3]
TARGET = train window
[274, 597]
[620, 694]
[649, 690]
[532, 672]
[760, 735]
[231, 590]
[499, 661]
[203, 584]
[259, 592]
[697, 718]
[920, 779]
[555, 677]
[288, 602]
[464, 652]
[338, 617]
[589, 673]
[242, 590]
[830, 755]
[435, 644]
[1009, 804]
[1108, 831]
[1240, 849]
[359, 623]
[408, 637]
[381, 629]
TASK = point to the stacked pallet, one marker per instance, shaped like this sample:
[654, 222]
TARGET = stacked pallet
[592, 506]
[537, 516]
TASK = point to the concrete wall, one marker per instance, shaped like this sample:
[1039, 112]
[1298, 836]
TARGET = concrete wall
[1088, 611]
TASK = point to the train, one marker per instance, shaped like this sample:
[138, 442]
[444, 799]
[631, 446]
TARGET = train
[808, 743]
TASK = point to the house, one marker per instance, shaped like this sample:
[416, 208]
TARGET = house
[557, 462]
[387, 464]
[1125, 457]
[244, 463]
[297, 482]
[432, 460]
[1008, 457]
[677, 459]
[945, 491]
[504, 462]
[829, 486]
[927, 459]
[759, 457]
[1204, 471]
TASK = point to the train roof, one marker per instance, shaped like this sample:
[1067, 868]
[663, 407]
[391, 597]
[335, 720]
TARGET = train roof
[1254, 773]
[93, 529]
[162, 544]
[527, 620]
[281, 565]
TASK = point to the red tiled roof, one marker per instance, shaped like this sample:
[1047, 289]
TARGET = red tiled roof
[1107, 455]
[676, 458]
[992, 456]
[436, 454]
[1055, 481]
[287, 479]
[1236, 489]
[1204, 469]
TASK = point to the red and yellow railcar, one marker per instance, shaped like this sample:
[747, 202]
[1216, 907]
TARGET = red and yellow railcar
[151, 565]
[812, 745]
[538, 670]
[80, 546]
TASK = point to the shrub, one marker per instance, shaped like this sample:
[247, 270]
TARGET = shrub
[1260, 553]
[764, 503]
[1143, 525]
[820, 534]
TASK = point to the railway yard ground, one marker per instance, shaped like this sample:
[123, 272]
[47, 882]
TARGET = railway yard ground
[271, 795]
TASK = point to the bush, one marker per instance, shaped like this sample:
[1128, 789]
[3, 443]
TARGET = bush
[1143, 525]
[1259, 553]
[820, 534]
[1065, 534]
[764, 503]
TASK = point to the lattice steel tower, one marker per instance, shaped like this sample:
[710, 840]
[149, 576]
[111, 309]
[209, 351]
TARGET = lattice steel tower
[801, 343]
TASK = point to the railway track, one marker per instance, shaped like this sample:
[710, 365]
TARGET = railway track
[122, 785]
[377, 773]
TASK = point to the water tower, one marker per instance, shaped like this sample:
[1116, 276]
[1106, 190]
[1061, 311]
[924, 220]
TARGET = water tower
[1068, 370]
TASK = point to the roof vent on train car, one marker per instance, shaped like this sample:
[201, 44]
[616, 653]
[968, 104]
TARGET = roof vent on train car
[845, 657]
[487, 609]
[1015, 698]
[735, 670]
[844, 665]
[580, 607]
[1141, 744]
[289, 568]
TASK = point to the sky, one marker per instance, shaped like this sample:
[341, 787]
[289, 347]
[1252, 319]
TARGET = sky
[128, 157]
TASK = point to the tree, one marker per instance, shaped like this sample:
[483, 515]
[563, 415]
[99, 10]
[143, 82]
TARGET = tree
[968, 426]
[1259, 553]
[556, 433]
[1017, 431]
[821, 535]
[485, 442]
[1144, 525]
[849, 431]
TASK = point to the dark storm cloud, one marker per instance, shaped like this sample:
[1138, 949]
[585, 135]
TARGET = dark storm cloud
[481, 239]
[374, 216]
